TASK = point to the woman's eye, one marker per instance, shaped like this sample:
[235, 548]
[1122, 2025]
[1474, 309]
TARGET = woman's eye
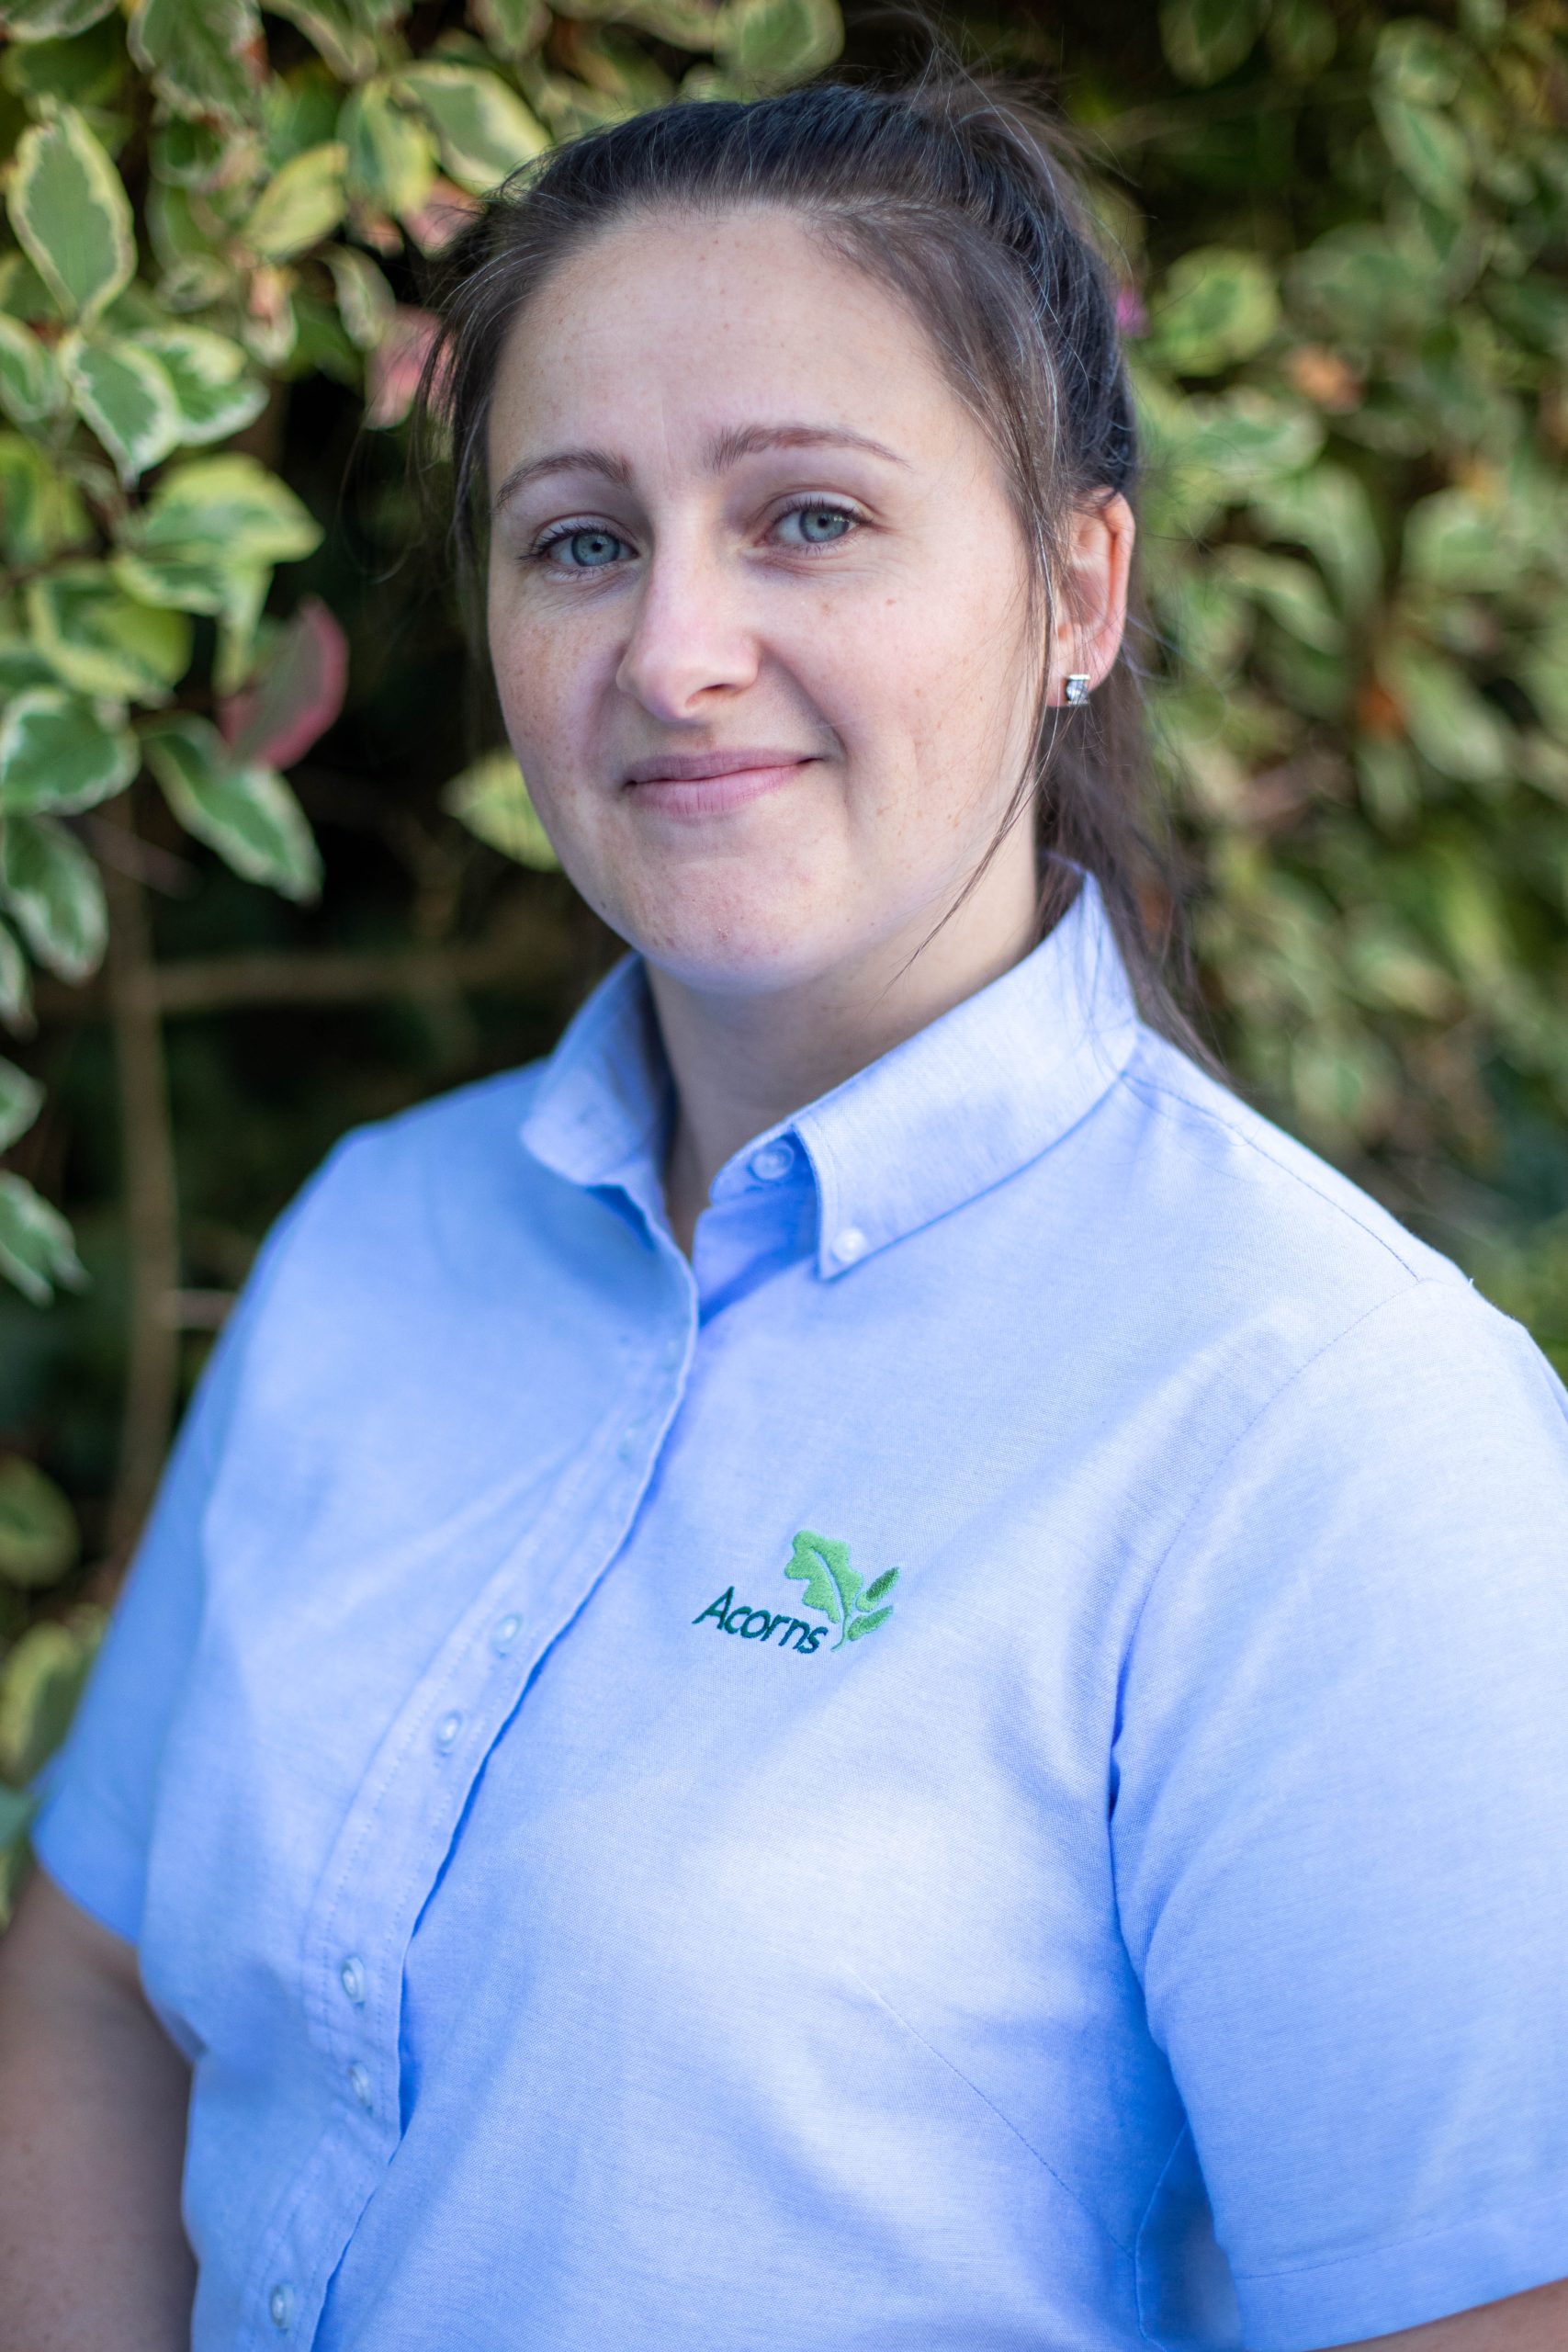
[813, 527]
[588, 550]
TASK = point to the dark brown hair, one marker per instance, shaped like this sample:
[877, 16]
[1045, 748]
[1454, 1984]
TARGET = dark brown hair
[957, 197]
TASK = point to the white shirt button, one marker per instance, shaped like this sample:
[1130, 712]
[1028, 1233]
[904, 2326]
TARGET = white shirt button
[846, 1246]
[446, 1731]
[774, 1161]
[359, 2083]
[351, 1976]
[507, 1629]
[280, 2307]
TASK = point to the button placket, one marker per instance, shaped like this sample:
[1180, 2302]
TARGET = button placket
[468, 1694]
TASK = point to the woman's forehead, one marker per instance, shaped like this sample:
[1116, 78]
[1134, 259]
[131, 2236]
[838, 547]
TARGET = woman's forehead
[683, 327]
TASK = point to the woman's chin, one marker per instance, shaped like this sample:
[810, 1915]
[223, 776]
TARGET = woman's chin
[745, 947]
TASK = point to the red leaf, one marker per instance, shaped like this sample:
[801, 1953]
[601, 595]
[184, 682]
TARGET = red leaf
[395, 365]
[274, 720]
[442, 218]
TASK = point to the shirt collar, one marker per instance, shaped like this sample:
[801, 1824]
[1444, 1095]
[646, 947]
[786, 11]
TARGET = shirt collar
[954, 1109]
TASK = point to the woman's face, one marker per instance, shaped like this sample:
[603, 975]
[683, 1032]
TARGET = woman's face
[757, 605]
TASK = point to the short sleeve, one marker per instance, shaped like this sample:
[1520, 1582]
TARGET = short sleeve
[1341, 1828]
[94, 1827]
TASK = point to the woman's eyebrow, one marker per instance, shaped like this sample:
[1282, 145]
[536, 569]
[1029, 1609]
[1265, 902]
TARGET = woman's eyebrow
[751, 440]
[736, 441]
[576, 461]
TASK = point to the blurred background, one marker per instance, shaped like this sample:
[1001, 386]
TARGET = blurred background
[263, 873]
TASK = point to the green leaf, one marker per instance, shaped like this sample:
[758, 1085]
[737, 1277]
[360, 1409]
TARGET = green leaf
[823, 1566]
[71, 213]
[1364, 286]
[1446, 720]
[190, 154]
[772, 44]
[40, 511]
[21, 1099]
[492, 800]
[1205, 40]
[484, 129]
[205, 56]
[37, 1252]
[239, 618]
[364, 300]
[228, 506]
[16, 989]
[1459, 541]
[84, 69]
[303, 204]
[1327, 510]
[885, 1584]
[1210, 624]
[23, 294]
[333, 27]
[512, 27]
[57, 753]
[1543, 673]
[391, 153]
[1291, 593]
[101, 643]
[29, 380]
[40, 1685]
[1244, 438]
[215, 394]
[126, 397]
[50, 888]
[247, 814]
[867, 1624]
[39, 1543]
[1302, 36]
[1219, 305]
[1429, 149]
[205, 538]
[1420, 63]
[50, 19]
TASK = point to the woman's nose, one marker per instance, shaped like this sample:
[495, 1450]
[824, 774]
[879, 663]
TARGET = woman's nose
[691, 636]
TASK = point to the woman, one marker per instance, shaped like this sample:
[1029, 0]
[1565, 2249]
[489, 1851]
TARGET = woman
[857, 1667]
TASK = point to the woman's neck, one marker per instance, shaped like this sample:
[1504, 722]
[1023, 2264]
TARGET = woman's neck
[743, 1061]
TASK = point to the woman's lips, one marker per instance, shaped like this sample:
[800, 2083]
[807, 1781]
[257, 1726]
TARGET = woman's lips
[705, 783]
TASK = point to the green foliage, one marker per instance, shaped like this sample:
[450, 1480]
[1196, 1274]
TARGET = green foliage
[143, 320]
[1358, 567]
[203, 207]
[39, 1542]
[492, 800]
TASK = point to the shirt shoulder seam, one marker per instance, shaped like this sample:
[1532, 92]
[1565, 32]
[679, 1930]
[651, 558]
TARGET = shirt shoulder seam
[1140, 1083]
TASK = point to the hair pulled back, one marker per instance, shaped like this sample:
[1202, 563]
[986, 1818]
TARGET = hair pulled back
[956, 197]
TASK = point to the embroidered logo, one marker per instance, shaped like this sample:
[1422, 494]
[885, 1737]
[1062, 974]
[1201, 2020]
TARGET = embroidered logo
[832, 1589]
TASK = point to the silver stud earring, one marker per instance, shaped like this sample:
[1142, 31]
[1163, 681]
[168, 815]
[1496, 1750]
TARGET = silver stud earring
[1077, 688]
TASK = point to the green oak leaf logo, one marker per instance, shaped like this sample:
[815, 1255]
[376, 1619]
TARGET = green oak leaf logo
[822, 1566]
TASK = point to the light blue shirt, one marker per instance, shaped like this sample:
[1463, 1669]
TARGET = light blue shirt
[610, 1910]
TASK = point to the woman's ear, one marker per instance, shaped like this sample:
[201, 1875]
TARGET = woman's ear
[1090, 602]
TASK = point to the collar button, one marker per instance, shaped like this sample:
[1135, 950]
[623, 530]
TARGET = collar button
[774, 1161]
[847, 1246]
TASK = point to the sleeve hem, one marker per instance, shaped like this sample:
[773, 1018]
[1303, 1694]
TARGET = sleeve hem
[77, 1847]
[1408, 2284]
